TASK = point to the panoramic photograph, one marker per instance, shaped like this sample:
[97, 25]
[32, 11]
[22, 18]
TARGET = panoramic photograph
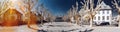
[59, 15]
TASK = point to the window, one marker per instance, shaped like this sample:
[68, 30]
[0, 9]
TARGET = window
[107, 12]
[98, 17]
[94, 18]
[103, 12]
[103, 17]
[107, 17]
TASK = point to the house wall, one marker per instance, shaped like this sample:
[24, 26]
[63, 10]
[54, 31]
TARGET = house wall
[11, 18]
[103, 15]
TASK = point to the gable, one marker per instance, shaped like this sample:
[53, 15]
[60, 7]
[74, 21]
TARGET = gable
[12, 11]
[105, 6]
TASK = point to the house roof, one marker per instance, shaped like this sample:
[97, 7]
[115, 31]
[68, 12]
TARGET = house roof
[11, 8]
[105, 6]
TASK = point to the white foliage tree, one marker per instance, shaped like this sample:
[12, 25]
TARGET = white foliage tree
[116, 5]
[4, 6]
[73, 15]
[45, 13]
[27, 6]
[88, 9]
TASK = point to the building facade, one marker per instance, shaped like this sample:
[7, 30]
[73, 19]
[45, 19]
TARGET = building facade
[104, 15]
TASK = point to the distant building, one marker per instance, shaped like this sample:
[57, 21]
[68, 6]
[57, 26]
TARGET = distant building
[104, 15]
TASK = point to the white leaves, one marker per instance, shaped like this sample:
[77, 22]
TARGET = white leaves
[87, 12]
[99, 2]
[3, 6]
[116, 5]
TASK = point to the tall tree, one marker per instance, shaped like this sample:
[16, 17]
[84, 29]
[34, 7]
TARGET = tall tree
[116, 5]
[73, 13]
[89, 10]
[3, 7]
[28, 16]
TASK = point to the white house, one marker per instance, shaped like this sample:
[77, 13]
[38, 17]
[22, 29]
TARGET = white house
[104, 15]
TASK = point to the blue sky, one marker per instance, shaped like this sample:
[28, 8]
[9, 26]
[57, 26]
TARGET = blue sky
[60, 7]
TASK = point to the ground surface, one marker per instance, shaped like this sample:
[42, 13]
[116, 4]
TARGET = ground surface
[59, 27]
